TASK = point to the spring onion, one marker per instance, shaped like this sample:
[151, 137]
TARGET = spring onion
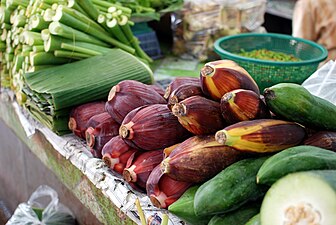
[59, 29]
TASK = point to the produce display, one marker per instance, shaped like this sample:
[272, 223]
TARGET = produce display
[53, 92]
[209, 149]
[40, 34]
[213, 149]
[265, 54]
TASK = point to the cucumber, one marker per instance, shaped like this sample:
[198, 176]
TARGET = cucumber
[298, 158]
[184, 208]
[255, 220]
[295, 103]
[229, 189]
[237, 217]
[301, 198]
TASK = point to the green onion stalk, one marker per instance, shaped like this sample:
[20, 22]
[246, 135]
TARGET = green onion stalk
[85, 24]
[37, 23]
[74, 5]
[37, 34]
[71, 54]
[89, 8]
[59, 29]
[4, 15]
[45, 58]
[107, 5]
[85, 48]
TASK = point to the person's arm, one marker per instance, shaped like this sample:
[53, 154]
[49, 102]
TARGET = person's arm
[303, 20]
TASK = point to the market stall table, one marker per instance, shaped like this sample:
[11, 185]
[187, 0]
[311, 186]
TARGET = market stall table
[33, 155]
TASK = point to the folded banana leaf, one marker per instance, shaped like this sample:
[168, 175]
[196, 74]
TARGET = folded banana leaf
[52, 92]
[58, 124]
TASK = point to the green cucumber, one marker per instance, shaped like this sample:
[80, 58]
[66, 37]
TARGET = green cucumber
[255, 220]
[184, 208]
[237, 217]
[229, 189]
[298, 158]
[295, 103]
[301, 198]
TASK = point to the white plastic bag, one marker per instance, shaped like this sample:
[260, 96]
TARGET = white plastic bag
[54, 213]
[322, 83]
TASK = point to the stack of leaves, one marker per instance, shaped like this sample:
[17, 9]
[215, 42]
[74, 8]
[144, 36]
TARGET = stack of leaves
[38, 34]
[52, 92]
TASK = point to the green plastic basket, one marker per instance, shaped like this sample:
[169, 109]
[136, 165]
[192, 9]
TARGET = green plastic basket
[267, 73]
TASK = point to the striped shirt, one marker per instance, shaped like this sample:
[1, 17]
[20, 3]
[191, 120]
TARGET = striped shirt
[316, 20]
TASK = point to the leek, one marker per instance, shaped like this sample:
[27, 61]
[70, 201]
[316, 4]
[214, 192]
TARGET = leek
[15, 3]
[2, 46]
[88, 26]
[54, 43]
[45, 58]
[80, 16]
[45, 34]
[4, 15]
[71, 54]
[5, 26]
[48, 14]
[38, 48]
[62, 30]
[89, 8]
[37, 23]
[115, 30]
[107, 5]
[19, 21]
[32, 38]
[74, 5]
[79, 49]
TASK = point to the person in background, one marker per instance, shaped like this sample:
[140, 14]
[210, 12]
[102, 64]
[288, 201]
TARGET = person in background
[315, 20]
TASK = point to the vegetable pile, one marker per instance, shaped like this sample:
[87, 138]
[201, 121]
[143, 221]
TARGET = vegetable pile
[265, 54]
[51, 93]
[45, 33]
[211, 149]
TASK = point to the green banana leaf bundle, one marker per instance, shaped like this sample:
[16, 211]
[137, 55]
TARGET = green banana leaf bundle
[53, 92]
